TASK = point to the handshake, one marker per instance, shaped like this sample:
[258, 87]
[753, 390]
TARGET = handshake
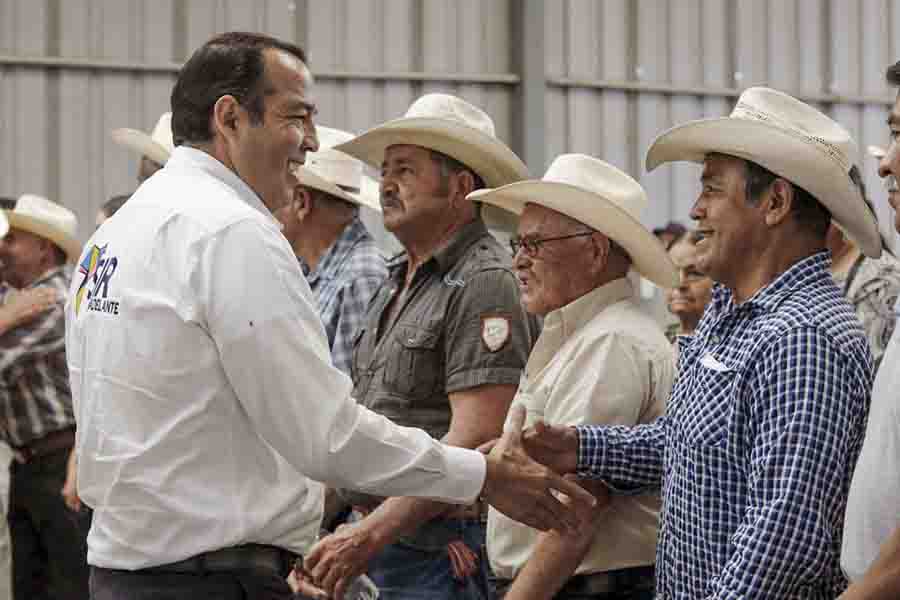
[528, 478]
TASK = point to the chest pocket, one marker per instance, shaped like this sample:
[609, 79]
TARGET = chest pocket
[415, 366]
[705, 397]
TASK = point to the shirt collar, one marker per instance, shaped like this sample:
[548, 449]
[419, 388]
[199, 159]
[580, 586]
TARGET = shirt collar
[573, 316]
[49, 274]
[769, 297]
[187, 156]
[337, 252]
[449, 254]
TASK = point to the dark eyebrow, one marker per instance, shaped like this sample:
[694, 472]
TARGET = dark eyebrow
[400, 161]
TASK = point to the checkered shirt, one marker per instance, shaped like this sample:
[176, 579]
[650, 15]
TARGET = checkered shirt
[756, 452]
[344, 283]
[35, 399]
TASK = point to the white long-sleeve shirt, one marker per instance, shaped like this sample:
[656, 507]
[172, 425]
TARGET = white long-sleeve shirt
[204, 393]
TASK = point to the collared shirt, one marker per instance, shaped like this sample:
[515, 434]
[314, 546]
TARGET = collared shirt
[34, 381]
[203, 385]
[872, 287]
[758, 444]
[873, 508]
[461, 325]
[598, 360]
[344, 283]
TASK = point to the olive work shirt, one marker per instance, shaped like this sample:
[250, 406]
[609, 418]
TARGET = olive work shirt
[460, 325]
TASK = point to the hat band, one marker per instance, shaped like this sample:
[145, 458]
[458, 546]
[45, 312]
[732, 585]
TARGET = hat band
[744, 111]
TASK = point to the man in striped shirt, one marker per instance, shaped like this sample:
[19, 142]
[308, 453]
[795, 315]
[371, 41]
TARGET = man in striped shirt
[36, 415]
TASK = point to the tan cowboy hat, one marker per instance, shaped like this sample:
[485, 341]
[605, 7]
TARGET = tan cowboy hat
[876, 152]
[157, 146]
[789, 138]
[47, 219]
[598, 195]
[333, 172]
[454, 127]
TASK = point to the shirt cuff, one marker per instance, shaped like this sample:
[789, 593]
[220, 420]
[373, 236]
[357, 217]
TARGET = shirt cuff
[466, 380]
[467, 470]
[590, 452]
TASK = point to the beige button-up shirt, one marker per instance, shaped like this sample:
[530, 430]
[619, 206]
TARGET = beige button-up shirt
[598, 360]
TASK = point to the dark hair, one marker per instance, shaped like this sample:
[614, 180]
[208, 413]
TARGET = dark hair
[893, 74]
[856, 178]
[810, 213]
[449, 165]
[59, 255]
[228, 64]
[112, 206]
[7, 203]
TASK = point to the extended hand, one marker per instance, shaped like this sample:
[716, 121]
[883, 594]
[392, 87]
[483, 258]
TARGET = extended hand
[523, 489]
[336, 560]
[555, 446]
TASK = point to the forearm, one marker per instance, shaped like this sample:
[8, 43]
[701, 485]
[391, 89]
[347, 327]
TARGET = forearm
[628, 459]
[555, 558]
[882, 580]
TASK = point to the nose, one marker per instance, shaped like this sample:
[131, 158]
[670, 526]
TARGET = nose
[311, 139]
[884, 165]
[521, 260]
[698, 210]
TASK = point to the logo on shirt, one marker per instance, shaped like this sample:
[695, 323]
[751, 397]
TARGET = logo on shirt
[494, 331]
[97, 268]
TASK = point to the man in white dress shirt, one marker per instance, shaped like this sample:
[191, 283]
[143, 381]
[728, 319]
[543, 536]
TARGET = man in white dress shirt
[200, 370]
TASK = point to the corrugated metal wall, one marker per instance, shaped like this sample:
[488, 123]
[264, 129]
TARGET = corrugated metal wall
[616, 73]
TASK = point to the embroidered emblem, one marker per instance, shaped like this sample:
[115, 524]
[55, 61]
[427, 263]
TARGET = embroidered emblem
[494, 331]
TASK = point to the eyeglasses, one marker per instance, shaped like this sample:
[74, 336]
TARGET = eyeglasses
[532, 245]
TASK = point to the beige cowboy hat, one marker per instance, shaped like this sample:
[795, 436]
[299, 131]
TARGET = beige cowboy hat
[333, 172]
[876, 152]
[157, 146]
[789, 138]
[598, 195]
[454, 127]
[48, 220]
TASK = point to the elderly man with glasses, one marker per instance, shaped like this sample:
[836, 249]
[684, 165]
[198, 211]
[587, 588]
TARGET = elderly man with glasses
[598, 360]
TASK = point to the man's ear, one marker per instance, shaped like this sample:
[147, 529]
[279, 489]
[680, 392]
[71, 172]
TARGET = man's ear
[226, 114]
[465, 185]
[303, 202]
[780, 201]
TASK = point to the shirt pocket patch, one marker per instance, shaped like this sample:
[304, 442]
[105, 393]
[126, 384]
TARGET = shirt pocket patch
[705, 411]
[415, 366]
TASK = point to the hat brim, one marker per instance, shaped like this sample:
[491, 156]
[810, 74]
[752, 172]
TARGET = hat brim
[648, 255]
[141, 143]
[781, 152]
[496, 164]
[310, 179]
[66, 242]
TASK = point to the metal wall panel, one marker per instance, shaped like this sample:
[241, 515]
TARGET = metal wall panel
[618, 73]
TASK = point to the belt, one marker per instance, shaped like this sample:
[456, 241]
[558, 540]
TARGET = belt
[248, 557]
[52, 442]
[610, 582]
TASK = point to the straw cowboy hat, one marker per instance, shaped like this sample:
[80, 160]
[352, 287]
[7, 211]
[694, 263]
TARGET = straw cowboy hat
[598, 195]
[336, 173]
[157, 146]
[792, 140]
[451, 126]
[48, 220]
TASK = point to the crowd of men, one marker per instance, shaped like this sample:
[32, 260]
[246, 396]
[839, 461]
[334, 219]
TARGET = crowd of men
[229, 392]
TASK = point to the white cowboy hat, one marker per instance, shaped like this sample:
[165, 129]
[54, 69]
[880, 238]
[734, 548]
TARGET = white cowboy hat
[47, 219]
[157, 146]
[598, 195]
[333, 172]
[876, 152]
[789, 138]
[451, 126]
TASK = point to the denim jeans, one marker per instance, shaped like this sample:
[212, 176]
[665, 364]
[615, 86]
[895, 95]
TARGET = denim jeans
[418, 567]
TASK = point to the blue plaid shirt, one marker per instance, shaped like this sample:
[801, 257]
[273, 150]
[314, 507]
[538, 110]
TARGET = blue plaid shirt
[344, 283]
[757, 449]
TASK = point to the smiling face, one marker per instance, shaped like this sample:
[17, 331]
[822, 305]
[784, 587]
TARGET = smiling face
[266, 153]
[689, 298]
[728, 225]
[889, 166]
[560, 271]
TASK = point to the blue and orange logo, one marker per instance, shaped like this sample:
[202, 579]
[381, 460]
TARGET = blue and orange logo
[97, 269]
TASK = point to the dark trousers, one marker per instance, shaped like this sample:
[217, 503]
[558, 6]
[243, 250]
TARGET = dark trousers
[110, 584]
[637, 583]
[49, 541]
